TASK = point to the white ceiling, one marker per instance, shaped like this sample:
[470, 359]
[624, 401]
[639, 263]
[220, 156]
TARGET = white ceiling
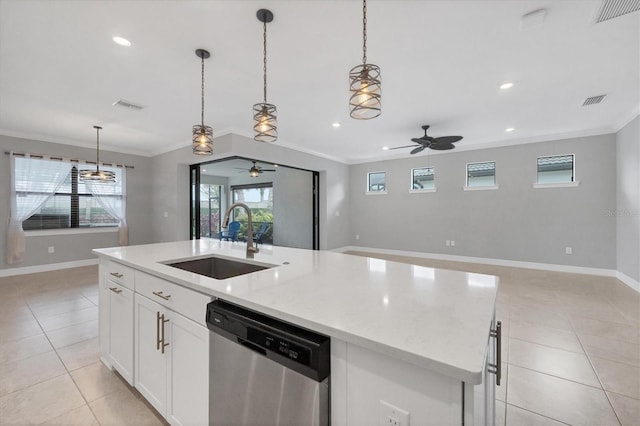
[441, 61]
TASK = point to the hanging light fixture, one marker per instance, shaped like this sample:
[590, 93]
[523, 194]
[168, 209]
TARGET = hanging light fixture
[365, 84]
[97, 174]
[265, 120]
[202, 142]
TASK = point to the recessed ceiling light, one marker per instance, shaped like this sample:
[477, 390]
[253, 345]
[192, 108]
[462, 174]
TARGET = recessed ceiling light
[336, 124]
[509, 129]
[204, 170]
[121, 41]
[385, 148]
[275, 165]
[507, 85]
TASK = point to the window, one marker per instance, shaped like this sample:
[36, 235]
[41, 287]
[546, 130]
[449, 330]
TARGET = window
[481, 175]
[210, 202]
[556, 169]
[259, 198]
[423, 179]
[376, 182]
[73, 205]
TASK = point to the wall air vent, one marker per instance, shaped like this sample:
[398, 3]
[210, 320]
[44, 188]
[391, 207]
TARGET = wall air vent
[594, 100]
[613, 8]
[127, 104]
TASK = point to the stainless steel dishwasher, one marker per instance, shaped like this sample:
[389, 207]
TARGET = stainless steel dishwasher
[265, 371]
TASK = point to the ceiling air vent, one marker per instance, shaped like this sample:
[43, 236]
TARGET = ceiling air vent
[613, 8]
[127, 104]
[594, 100]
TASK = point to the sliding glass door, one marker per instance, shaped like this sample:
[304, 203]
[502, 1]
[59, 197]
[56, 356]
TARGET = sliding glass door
[259, 199]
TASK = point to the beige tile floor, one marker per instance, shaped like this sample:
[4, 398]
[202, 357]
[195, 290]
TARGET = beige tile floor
[571, 352]
[50, 372]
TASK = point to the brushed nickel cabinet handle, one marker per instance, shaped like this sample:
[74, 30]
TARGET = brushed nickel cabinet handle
[115, 290]
[158, 341]
[497, 367]
[161, 295]
[116, 274]
[163, 342]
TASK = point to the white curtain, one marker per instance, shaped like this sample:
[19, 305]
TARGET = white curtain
[113, 200]
[33, 182]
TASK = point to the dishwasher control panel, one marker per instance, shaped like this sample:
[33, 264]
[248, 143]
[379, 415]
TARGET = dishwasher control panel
[298, 348]
[280, 345]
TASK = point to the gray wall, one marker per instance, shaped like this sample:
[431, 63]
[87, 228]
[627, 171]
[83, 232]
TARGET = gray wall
[627, 210]
[72, 247]
[515, 222]
[171, 183]
[292, 204]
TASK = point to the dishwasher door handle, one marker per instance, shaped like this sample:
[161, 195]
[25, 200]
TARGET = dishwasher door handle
[252, 346]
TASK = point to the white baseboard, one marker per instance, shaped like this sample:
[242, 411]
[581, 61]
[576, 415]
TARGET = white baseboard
[45, 268]
[502, 262]
[628, 281]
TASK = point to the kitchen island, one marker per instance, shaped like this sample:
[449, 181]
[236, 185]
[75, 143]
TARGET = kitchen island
[417, 338]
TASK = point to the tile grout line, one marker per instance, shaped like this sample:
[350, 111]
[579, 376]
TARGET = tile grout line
[538, 414]
[597, 377]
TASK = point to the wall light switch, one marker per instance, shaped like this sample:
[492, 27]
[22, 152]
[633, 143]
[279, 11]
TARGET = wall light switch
[447, 243]
[51, 249]
[453, 243]
[166, 214]
[337, 213]
[568, 250]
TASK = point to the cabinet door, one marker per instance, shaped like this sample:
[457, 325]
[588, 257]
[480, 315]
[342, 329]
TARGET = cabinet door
[121, 330]
[150, 361]
[188, 372]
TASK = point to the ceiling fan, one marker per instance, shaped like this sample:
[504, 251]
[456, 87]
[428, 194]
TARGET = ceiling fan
[255, 170]
[441, 144]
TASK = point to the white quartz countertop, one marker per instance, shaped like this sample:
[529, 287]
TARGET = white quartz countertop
[433, 318]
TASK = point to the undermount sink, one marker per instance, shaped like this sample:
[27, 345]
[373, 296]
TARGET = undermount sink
[218, 267]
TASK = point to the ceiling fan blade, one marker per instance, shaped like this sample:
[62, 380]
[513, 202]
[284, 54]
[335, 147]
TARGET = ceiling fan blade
[418, 149]
[399, 147]
[421, 141]
[267, 170]
[447, 139]
[442, 146]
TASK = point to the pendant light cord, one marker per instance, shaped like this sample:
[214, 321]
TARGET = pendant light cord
[264, 56]
[364, 31]
[202, 95]
[97, 148]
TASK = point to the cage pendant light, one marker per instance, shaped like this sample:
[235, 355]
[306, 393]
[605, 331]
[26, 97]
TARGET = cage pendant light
[365, 84]
[265, 115]
[97, 175]
[202, 141]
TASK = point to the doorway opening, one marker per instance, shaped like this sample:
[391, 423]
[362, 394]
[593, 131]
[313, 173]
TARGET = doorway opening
[284, 201]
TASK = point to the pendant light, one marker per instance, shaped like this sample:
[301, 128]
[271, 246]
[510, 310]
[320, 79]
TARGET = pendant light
[265, 120]
[97, 174]
[365, 84]
[202, 141]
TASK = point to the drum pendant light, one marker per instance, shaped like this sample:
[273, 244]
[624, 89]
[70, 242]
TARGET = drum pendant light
[97, 175]
[265, 115]
[202, 140]
[365, 84]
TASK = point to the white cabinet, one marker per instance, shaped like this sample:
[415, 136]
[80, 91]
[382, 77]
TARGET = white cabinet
[172, 362]
[116, 318]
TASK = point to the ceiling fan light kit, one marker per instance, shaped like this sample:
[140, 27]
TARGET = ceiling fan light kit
[365, 82]
[202, 136]
[97, 175]
[265, 115]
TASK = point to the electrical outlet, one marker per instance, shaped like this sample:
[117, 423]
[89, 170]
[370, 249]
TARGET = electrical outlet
[447, 243]
[453, 243]
[166, 214]
[392, 416]
[51, 249]
[337, 213]
[568, 250]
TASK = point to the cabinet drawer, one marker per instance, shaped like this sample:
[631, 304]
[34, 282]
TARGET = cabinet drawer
[182, 300]
[120, 274]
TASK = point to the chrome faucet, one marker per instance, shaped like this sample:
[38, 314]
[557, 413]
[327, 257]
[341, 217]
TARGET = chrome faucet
[225, 224]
